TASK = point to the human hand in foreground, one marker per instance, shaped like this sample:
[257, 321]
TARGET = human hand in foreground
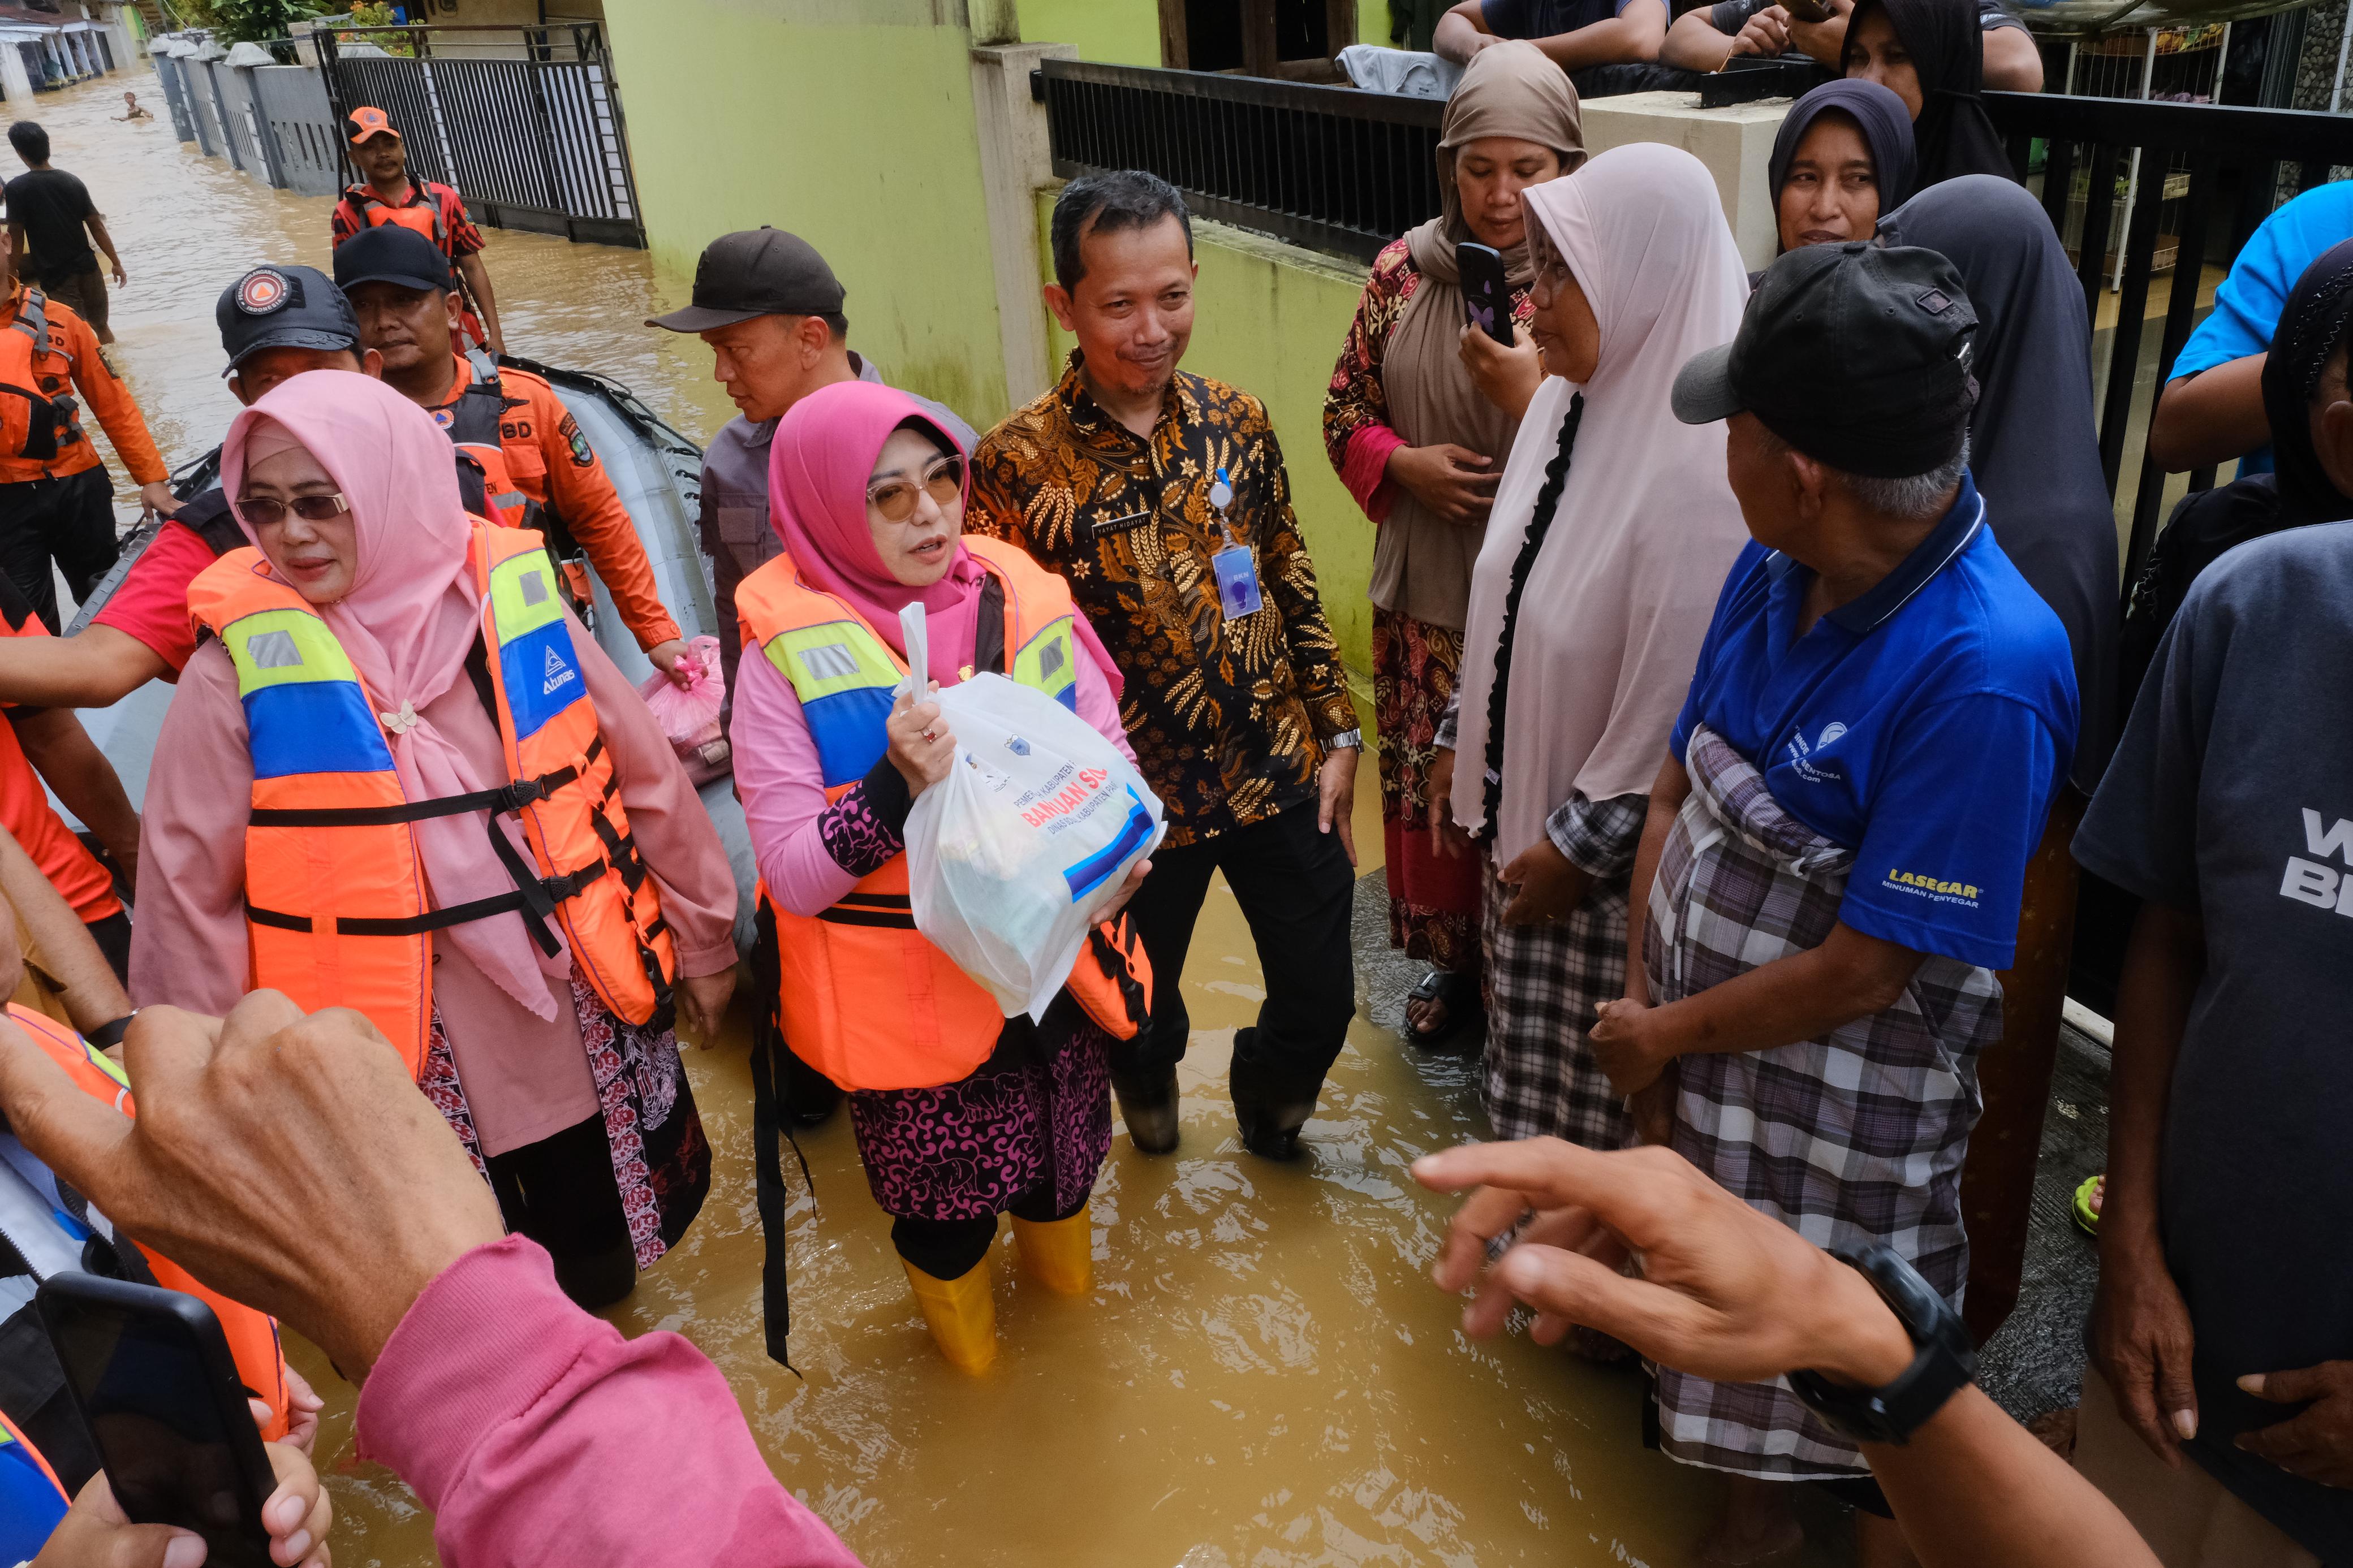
[2141, 1343]
[1545, 884]
[157, 500]
[670, 657]
[303, 1407]
[923, 747]
[1446, 839]
[1134, 880]
[1506, 377]
[1335, 797]
[703, 1004]
[95, 1534]
[1725, 1292]
[2316, 1443]
[288, 1161]
[1625, 1039]
[1765, 36]
[1457, 484]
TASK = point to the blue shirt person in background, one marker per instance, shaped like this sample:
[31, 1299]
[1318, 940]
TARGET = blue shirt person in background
[1831, 871]
[2212, 408]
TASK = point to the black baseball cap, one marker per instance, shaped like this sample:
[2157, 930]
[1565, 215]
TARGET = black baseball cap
[391, 253]
[756, 272]
[1855, 356]
[274, 307]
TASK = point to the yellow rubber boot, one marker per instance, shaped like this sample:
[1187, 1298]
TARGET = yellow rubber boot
[961, 1314]
[1060, 1253]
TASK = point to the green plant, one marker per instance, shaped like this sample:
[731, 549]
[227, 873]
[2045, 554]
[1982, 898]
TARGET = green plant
[238, 21]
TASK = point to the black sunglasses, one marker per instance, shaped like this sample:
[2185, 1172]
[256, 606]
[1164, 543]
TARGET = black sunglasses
[262, 511]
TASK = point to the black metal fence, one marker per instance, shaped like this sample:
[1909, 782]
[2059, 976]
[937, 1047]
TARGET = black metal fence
[2136, 188]
[526, 124]
[1328, 167]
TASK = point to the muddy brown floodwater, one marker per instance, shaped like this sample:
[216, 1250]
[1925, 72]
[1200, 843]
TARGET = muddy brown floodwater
[1263, 1376]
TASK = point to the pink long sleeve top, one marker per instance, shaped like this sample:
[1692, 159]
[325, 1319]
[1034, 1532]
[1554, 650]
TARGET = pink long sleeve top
[810, 853]
[525, 1077]
[536, 1433]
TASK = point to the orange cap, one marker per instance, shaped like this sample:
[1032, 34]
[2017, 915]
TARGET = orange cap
[367, 122]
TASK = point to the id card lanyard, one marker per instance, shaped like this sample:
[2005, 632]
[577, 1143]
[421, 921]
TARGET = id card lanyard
[1237, 570]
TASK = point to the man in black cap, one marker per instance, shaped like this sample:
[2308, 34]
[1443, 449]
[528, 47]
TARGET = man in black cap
[1883, 714]
[770, 309]
[276, 323]
[541, 472]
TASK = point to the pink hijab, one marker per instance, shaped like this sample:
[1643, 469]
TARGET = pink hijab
[407, 624]
[1620, 597]
[819, 466]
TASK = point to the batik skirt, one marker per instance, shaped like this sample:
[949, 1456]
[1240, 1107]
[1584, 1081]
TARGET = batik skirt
[1852, 1139]
[1433, 898]
[661, 1162]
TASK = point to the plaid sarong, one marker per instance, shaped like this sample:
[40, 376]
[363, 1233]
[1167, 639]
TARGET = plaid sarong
[1851, 1139]
[1545, 986]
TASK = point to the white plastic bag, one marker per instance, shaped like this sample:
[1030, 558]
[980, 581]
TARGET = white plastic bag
[1032, 832]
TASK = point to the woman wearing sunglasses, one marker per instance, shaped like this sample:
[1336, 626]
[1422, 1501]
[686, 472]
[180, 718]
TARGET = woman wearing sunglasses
[960, 1113]
[398, 777]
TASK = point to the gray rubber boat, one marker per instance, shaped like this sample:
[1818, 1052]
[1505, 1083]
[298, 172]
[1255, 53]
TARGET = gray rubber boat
[658, 472]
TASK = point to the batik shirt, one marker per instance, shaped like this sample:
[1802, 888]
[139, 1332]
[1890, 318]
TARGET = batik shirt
[1228, 717]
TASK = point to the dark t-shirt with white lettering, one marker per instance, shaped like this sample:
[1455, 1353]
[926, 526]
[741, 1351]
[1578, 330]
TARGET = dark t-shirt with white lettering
[2231, 795]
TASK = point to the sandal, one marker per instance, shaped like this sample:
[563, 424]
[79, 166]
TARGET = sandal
[2087, 1218]
[1459, 996]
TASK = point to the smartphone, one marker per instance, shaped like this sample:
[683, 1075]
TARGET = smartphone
[152, 1375]
[1486, 296]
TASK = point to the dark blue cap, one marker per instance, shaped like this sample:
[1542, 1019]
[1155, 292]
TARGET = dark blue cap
[274, 307]
[391, 253]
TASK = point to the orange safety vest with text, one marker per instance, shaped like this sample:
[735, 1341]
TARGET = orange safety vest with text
[252, 1336]
[865, 998]
[336, 912]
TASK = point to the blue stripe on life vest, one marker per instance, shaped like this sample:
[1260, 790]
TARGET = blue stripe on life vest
[1069, 696]
[543, 676]
[1089, 873]
[313, 727]
[31, 1504]
[848, 728]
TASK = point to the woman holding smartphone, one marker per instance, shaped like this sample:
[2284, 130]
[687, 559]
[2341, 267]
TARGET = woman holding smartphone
[1421, 412]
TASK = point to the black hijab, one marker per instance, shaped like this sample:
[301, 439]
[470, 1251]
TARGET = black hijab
[2034, 445]
[1947, 50]
[1887, 130]
[2313, 325]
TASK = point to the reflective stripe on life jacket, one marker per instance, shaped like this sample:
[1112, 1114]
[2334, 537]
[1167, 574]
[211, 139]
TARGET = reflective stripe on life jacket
[39, 416]
[863, 996]
[336, 911]
[473, 422]
[252, 1336]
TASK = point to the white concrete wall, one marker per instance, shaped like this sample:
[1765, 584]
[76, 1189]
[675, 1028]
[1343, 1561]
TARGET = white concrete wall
[1735, 143]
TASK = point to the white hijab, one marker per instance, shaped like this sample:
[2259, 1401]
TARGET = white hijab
[1621, 593]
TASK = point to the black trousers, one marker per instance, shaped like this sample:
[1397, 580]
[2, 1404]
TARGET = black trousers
[947, 1249]
[70, 519]
[560, 1192]
[1296, 889]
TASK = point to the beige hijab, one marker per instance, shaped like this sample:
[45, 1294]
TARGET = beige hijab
[1422, 565]
[1645, 526]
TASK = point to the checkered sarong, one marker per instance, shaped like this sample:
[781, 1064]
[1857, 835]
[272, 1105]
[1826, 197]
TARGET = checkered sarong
[1851, 1139]
[1546, 984]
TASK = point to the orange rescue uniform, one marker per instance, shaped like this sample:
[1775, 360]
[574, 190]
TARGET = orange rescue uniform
[70, 366]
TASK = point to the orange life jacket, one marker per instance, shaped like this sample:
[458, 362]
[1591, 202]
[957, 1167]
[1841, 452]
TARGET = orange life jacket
[252, 1336]
[474, 422]
[40, 417]
[336, 914]
[421, 216]
[862, 996]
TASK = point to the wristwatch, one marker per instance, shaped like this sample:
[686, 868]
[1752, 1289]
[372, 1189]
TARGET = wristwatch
[1348, 739]
[109, 1034]
[1947, 1359]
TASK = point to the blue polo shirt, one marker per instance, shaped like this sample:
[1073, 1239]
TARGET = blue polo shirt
[1926, 725]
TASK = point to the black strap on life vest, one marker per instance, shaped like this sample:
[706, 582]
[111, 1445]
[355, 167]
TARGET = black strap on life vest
[772, 1066]
[211, 519]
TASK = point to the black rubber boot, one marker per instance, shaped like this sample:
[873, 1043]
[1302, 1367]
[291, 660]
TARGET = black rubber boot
[1147, 1103]
[1269, 1106]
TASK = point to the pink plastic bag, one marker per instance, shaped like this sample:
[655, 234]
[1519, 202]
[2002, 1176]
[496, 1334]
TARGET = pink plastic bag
[689, 714]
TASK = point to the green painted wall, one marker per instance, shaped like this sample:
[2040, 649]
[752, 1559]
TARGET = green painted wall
[847, 121]
[1127, 32]
[1269, 318]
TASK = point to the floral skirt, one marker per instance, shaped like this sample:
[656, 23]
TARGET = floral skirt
[1036, 1115]
[1433, 901]
[661, 1162]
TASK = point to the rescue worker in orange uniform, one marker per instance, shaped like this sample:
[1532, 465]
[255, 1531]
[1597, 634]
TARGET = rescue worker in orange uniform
[543, 473]
[55, 500]
[960, 1113]
[426, 207]
[405, 780]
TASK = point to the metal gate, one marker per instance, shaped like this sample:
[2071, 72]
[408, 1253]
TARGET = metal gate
[525, 121]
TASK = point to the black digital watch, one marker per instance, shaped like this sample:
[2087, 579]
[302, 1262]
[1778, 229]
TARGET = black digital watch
[1946, 1363]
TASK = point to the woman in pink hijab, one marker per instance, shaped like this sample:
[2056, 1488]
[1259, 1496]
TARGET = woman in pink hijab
[868, 494]
[582, 1122]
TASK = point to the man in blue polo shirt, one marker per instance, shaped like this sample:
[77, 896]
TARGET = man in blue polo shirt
[1831, 874]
